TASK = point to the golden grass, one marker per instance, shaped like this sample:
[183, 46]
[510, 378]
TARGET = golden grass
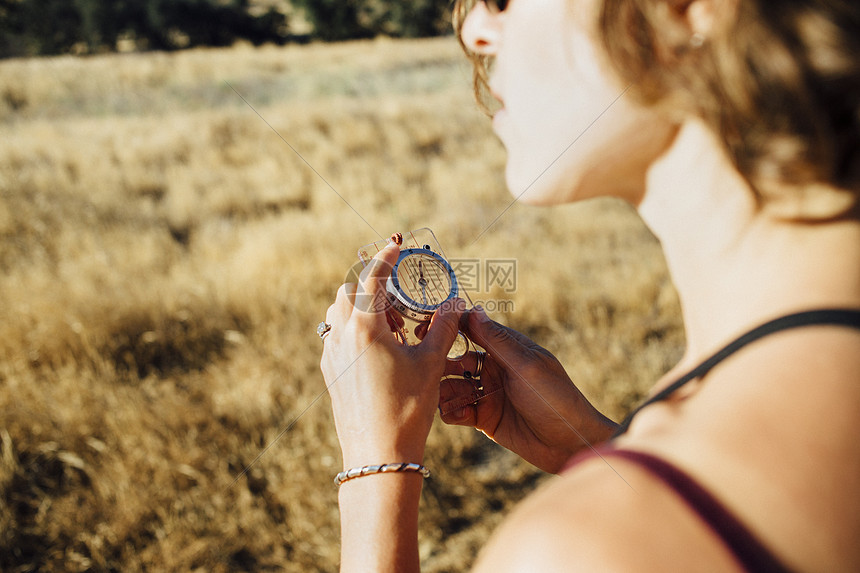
[165, 257]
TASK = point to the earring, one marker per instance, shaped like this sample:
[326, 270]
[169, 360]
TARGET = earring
[697, 40]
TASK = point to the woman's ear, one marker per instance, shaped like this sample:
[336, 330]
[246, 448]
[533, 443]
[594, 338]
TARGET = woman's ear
[704, 18]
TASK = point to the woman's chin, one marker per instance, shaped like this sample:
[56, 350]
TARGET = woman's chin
[541, 189]
[535, 199]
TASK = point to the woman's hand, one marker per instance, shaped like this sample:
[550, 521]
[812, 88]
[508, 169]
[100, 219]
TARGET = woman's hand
[384, 394]
[537, 412]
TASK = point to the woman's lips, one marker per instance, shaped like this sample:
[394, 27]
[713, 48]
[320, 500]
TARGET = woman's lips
[498, 117]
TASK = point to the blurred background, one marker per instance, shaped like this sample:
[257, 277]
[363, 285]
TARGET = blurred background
[47, 27]
[183, 187]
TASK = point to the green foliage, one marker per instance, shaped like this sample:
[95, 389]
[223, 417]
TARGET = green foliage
[41, 27]
[420, 18]
[334, 20]
[38, 26]
[44, 27]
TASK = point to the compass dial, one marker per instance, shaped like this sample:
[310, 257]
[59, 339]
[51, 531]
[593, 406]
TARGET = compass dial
[420, 282]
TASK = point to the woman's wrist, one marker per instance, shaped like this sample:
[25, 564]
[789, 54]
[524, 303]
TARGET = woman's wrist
[379, 522]
[593, 431]
[374, 469]
[364, 456]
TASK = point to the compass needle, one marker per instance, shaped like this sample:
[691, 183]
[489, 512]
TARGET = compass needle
[422, 281]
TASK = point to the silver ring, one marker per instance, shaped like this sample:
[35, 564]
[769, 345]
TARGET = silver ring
[475, 376]
[479, 367]
[323, 329]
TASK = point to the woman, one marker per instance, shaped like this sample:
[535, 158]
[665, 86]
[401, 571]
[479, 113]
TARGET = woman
[735, 135]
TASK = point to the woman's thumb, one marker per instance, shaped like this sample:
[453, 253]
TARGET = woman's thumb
[444, 326]
[490, 335]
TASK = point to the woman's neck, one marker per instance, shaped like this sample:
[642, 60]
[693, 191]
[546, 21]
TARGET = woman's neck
[735, 266]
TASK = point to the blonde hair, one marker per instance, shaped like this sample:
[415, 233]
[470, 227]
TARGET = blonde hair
[779, 83]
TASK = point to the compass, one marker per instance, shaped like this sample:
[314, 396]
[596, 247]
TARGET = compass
[421, 281]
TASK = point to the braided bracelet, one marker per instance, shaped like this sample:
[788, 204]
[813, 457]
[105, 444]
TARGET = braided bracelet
[347, 475]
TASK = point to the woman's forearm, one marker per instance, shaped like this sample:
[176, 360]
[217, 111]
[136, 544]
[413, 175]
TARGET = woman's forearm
[379, 523]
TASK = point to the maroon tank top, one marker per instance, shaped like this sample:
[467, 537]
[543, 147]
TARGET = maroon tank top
[750, 553]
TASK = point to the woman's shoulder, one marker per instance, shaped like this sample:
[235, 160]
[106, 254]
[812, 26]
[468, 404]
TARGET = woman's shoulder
[767, 436]
[768, 433]
[606, 514]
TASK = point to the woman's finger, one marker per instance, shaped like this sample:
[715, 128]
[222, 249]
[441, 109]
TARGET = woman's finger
[443, 328]
[454, 402]
[371, 296]
[469, 363]
[507, 345]
[340, 311]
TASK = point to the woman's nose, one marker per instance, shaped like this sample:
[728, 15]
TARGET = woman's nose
[481, 30]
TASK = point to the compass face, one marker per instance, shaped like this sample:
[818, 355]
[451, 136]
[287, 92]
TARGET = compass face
[420, 282]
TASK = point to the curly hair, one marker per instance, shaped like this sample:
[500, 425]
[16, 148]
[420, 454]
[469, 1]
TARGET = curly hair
[480, 64]
[779, 82]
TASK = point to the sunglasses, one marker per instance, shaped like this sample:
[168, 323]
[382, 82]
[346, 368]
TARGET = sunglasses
[496, 5]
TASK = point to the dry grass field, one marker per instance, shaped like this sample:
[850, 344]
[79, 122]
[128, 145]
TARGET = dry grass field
[167, 249]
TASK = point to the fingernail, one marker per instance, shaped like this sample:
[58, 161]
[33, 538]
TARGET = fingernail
[482, 314]
[459, 414]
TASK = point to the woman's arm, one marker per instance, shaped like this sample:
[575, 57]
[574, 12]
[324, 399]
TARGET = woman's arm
[379, 523]
[384, 397]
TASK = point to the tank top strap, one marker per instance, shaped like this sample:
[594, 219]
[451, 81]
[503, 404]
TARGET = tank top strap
[738, 539]
[833, 317]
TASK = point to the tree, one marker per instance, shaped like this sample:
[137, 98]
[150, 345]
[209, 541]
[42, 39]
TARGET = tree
[418, 18]
[334, 20]
[40, 27]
